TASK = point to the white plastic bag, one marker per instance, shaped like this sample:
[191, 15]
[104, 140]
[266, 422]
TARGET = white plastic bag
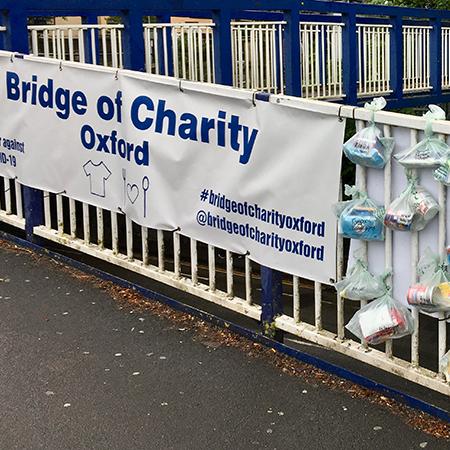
[428, 294]
[430, 151]
[359, 284]
[380, 320]
[368, 147]
[360, 218]
[412, 209]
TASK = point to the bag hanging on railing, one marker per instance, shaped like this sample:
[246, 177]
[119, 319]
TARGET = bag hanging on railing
[380, 320]
[360, 218]
[359, 284]
[368, 147]
[430, 151]
[428, 294]
[444, 366]
[412, 209]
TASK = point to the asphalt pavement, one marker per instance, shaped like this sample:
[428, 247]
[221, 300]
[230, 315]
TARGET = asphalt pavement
[79, 370]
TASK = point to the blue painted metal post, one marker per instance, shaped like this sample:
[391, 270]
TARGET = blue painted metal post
[350, 58]
[292, 53]
[222, 47]
[271, 302]
[165, 58]
[396, 57]
[88, 53]
[17, 40]
[436, 57]
[133, 40]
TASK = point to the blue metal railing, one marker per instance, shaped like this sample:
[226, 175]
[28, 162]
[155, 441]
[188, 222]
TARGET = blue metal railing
[15, 13]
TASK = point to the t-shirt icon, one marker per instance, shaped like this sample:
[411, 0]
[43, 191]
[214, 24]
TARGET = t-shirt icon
[98, 174]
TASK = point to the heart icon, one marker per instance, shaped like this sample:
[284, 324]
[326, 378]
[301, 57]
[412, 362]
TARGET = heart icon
[132, 192]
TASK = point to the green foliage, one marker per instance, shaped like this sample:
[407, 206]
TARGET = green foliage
[432, 4]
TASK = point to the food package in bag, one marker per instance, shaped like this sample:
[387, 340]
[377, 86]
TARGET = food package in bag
[359, 284]
[368, 147]
[428, 293]
[444, 366]
[380, 320]
[430, 151]
[412, 209]
[360, 218]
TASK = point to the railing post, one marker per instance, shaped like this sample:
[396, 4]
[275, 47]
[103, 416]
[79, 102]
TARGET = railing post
[167, 56]
[17, 41]
[436, 57]
[223, 64]
[271, 288]
[292, 51]
[396, 57]
[271, 302]
[133, 40]
[350, 58]
[88, 53]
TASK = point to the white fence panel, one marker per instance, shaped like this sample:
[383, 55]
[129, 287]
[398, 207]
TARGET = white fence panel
[321, 60]
[416, 58]
[98, 44]
[374, 59]
[184, 50]
[257, 52]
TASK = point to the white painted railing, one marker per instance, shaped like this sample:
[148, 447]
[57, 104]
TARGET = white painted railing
[257, 52]
[189, 265]
[11, 209]
[374, 59]
[416, 58]
[192, 50]
[321, 60]
[446, 57]
[312, 310]
[186, 51]
[103, 43]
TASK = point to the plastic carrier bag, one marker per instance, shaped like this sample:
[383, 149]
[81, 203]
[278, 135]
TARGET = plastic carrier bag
[430, 151]
[444, 366]
[368, 147]
[412, 209]
[380, 320]
[359, 283]
[429, 293]
[360, 218]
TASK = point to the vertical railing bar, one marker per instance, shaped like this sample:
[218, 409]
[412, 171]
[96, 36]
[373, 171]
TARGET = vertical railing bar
[59, 213]
[73, 218]
[212, 268]
[248, 281]
[100, 228]
[296, 298]
[414, 261]
[176, 255]
[388, 232]
[115, 233]
[229, 268]
[194, 262]
[19, 202]
[161, 250]
[86, 225]
[144, 242]
[47, 211]
[129, 233]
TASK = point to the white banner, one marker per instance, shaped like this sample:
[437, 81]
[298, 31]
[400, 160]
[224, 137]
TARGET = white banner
[226, 169]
